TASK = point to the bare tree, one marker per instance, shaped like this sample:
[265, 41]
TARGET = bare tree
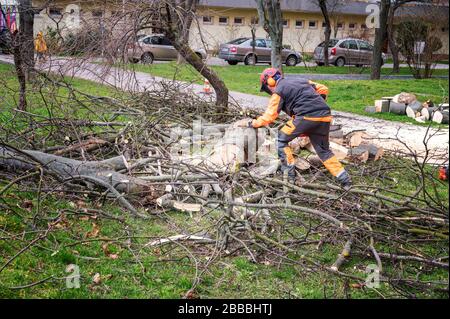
[271, 18]
[253, 25]
[393, 47]
[380, 39]
[327, 32]
[175, 16]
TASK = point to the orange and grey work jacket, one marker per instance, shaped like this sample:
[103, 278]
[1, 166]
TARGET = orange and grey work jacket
[296, 97]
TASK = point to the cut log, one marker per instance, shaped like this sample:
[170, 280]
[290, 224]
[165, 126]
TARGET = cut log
[354, 139]
[444, 106]
[374, 152]
[298, 143]
[440, 117]
[302, 164]
[427, 112]
[370, 109]
[397, 108]
[421, 119]
[413, 108]
[339, 151]
[416, 106]
[358, 154]
[381, 106]
[404, 98]
[410, 112]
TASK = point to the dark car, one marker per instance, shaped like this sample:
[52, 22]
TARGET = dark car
[241, 50]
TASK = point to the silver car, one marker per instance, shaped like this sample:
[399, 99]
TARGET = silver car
[348, 51]
[149, 48]
[241, 50]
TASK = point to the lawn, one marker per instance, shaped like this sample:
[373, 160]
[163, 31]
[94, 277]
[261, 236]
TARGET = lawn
[115, 249]
[345, 95]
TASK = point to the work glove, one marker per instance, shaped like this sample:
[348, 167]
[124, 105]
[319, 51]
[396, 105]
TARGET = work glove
[244, 123]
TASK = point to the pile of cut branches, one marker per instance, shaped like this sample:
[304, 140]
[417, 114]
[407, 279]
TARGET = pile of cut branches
[132, 150]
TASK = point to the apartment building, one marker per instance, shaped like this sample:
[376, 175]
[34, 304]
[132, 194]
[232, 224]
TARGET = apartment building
[223, 20]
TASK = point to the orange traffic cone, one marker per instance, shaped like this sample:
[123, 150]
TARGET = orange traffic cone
[206, 87]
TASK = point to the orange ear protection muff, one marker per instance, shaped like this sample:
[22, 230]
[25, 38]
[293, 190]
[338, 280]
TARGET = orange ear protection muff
[271, 82]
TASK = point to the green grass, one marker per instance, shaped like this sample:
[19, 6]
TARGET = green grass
[166, 272]
[345, 95]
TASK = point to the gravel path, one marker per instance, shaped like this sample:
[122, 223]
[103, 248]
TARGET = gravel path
[385, 132]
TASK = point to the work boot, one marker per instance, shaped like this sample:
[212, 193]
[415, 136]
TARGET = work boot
[345, 180]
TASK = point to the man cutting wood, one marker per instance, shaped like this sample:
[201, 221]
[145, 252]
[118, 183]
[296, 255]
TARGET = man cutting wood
[305, 102]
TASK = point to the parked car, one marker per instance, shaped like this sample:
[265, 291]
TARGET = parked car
[346, 51]
[241, 50]
[155, 47]
[5, 41]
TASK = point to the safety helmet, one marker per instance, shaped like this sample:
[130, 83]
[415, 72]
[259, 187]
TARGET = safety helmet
[269, 79]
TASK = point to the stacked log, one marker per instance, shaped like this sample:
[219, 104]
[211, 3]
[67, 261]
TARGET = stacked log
[407, 104]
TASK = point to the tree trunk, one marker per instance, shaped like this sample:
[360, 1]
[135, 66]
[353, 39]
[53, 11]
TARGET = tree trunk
[20, 71]
[253, 30]
[271, 18]
[327, 32]
[392, 44]
[26, 34]
[193, 59]
[174, 21]
[190, 5]
[380, 38]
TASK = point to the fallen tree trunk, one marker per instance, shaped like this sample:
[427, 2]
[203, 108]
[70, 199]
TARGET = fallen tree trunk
[66, 169]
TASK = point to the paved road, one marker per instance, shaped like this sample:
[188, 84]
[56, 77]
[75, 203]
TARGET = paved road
[353, 76]
[385, 132]
[221, 62]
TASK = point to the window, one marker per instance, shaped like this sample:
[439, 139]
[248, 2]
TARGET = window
[340, 25]
[312, 24]
[207, 20]
[238, 41]
[259, 43]
[165, 41]
[363, 26]
[299, 24]
[254, 20]
[352, 26]
[285, 23]
[238, 21]
[349, 44]
[364, 46]
[55, 11]
[331, 43]
[223, 20]
[324, 25]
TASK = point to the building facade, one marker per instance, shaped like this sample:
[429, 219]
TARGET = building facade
[220, 21]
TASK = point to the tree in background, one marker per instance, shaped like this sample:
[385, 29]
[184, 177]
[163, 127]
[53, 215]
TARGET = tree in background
[173, 17]
[409, 34]
[380, 39]
[327, 30]
[393, 47]
[271, 19]
[328, 9]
